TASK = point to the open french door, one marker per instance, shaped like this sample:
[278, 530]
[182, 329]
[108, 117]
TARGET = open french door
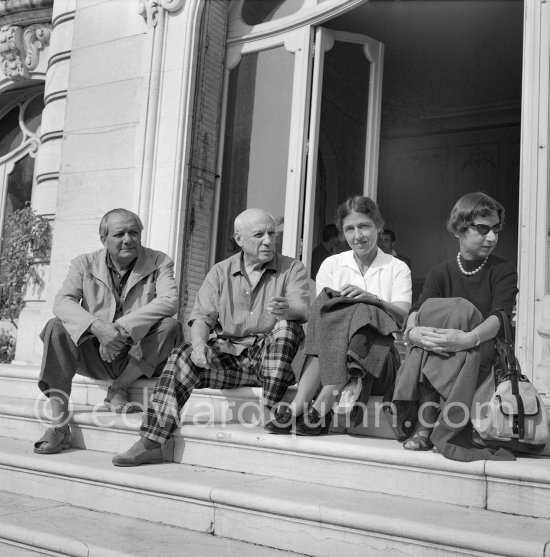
[287, 99]
[344, 128]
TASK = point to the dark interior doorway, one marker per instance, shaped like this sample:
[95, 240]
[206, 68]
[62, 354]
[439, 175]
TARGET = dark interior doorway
[451, 105]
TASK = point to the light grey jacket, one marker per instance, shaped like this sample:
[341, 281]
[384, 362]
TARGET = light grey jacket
[87, 293]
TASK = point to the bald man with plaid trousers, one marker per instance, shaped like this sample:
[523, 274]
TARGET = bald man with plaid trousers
[249, 347]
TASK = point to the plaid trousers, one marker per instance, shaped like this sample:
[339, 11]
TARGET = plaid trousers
[268, 363]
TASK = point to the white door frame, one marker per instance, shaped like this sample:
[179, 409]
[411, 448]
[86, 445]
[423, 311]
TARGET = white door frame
[533, 308]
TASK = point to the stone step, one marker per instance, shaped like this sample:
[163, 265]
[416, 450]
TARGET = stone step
[240, 405]
[355, 462]
[11, 550]
[306, 518]
[20, 381]
[371, 464]
[33, 526]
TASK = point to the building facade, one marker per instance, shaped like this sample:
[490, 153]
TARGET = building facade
[189, 111]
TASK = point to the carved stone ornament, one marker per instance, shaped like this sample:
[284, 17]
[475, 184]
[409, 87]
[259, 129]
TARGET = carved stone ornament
[25, 12]
[11, 51]
[20, 48]
[15, 6]
[149, 9]
[36, 37]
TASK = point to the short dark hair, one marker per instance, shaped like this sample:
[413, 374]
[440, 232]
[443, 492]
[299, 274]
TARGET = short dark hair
[359, 204]
[330, 231]
[470, 206]
[389, 232]
[104, 224]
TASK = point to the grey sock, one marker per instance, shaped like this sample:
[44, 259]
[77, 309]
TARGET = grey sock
[149, 444]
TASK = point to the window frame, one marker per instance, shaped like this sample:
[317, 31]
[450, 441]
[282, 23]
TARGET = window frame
[28, 146]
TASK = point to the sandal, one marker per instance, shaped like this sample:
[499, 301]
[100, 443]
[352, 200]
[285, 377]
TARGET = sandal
[117, 400]
[53, 441]
[419, 441]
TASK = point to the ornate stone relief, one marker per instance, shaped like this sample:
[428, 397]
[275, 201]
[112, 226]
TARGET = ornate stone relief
[25, 12]
[149, 9]
[11, 51]
[20, 48]
[36, 37]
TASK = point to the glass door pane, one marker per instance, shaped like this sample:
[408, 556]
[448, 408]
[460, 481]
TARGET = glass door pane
[17, 194]
[344, 129]
[257, 129]
[343, 126]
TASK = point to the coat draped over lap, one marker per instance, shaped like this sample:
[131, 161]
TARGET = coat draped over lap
[455, 378]
[348, 330]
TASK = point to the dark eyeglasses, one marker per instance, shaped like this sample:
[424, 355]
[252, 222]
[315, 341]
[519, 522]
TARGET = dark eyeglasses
[484, 229]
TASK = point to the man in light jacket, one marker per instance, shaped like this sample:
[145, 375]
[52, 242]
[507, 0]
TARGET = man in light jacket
[113, 322]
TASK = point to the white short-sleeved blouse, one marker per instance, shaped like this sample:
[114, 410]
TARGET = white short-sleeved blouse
[388, 278]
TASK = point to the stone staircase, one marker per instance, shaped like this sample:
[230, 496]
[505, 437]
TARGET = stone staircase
[228, 488]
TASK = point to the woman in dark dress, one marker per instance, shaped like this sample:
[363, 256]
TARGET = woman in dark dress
[451, 330]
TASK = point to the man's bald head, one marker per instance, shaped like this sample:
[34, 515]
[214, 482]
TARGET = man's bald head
[252, 217]
[255, 234]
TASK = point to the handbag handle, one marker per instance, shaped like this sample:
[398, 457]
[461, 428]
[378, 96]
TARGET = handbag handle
[506, 342]
[505, 345]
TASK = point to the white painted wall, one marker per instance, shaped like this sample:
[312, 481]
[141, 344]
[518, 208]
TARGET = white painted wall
[124, 136]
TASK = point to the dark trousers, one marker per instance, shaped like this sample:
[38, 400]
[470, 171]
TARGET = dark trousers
[62, 359]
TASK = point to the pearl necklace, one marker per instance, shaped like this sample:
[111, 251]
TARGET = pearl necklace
[469, 273]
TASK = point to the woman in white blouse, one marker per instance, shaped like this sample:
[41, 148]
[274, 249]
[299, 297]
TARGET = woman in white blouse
[364, 271]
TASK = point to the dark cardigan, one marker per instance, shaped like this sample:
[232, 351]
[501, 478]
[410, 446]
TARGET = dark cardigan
[494, 287]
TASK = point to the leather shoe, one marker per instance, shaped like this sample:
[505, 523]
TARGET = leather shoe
[137, 454]
[311, 423]
[281, 422]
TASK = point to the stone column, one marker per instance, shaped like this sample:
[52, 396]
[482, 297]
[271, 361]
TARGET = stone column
[38, 301]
